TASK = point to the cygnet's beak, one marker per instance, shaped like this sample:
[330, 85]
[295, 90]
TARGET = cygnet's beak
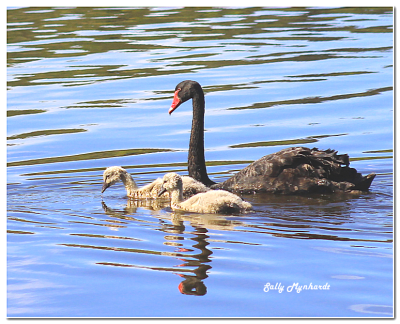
[161, 191]
[105, 186]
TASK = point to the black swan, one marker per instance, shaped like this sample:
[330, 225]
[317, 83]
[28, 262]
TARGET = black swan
[293, 170]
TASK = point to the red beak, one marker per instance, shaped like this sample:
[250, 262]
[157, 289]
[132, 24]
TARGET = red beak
[175, 103]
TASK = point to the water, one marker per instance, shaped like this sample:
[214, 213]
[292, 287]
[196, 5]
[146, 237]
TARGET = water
[90, 88]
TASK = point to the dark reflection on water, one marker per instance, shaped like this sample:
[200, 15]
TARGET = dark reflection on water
[309, 100]
[90, 87]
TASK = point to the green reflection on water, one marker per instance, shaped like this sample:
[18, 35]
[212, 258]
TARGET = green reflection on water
[310, 100]
[298, 141]
[88, 156]
[46, 133]
[11, 113]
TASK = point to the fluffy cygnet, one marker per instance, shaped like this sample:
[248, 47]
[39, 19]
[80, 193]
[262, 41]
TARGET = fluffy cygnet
[114, 174]
[213, 201]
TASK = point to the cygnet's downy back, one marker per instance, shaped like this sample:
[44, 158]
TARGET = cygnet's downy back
[213, 201]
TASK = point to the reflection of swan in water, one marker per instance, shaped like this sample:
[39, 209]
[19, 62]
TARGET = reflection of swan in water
[193, 285]
[114, 174]
[214, 201]
[289, 171]
[198, 259]
[195, 258]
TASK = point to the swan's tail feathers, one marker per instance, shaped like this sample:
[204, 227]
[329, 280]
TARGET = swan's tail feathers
[365, 182]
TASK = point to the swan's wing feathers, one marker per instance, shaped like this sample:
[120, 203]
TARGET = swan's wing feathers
[296, 170]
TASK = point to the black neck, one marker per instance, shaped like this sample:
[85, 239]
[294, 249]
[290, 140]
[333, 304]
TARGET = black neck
[196, 161]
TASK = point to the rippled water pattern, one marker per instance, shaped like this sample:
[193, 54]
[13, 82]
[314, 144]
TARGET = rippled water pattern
[90, 88]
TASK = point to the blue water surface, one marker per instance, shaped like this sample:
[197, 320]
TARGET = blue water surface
[90, 88]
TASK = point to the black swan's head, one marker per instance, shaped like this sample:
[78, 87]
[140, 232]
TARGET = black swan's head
[184, 91]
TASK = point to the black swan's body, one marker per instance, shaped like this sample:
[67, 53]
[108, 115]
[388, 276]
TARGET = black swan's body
[291, 170]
